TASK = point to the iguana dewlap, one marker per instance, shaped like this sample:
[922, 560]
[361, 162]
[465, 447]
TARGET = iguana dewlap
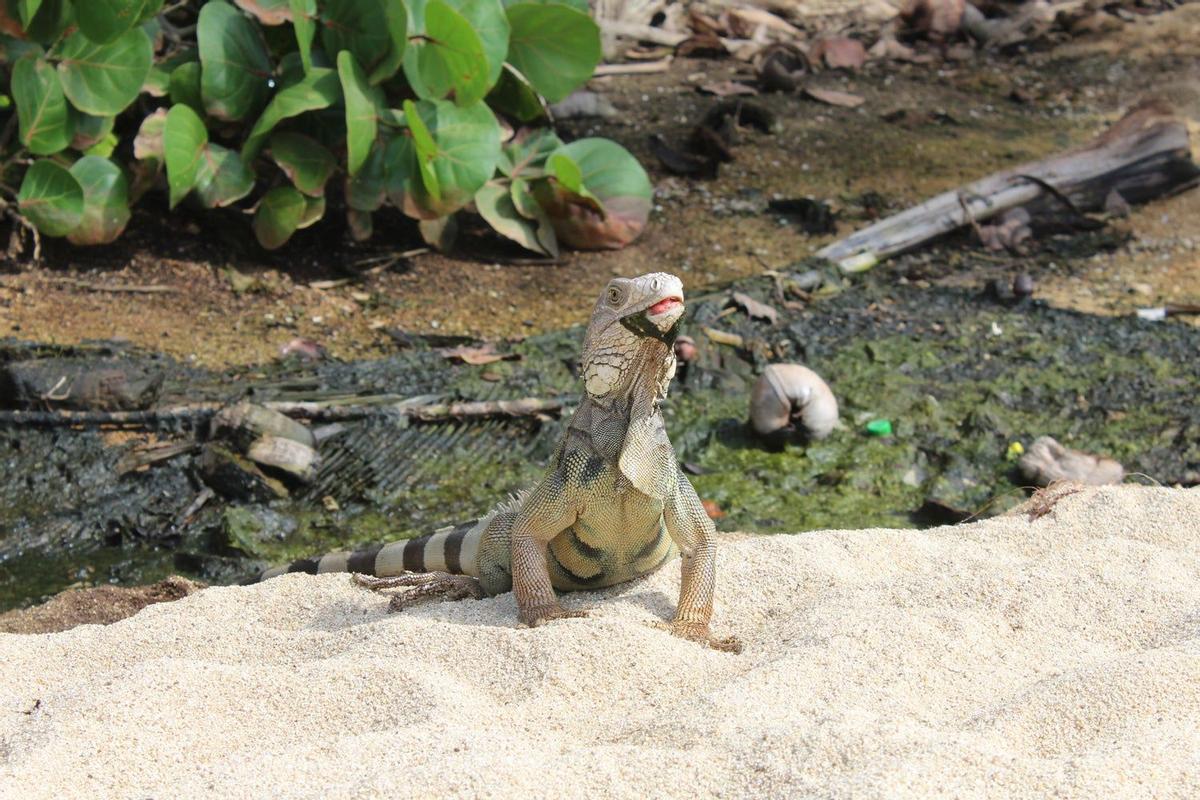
[613, 504]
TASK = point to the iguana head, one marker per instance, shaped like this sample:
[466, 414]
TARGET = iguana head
[628, 362]
[630, 339]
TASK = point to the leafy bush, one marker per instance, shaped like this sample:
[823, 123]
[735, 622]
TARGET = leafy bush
[263, 102]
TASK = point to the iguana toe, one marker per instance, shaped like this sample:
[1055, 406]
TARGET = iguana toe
[424, 585]
[540, 615]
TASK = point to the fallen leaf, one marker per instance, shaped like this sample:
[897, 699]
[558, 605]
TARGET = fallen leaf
[712, 509]
[702, 45]
[476, 356]
[937, 17]
[835, 98]
[304, 349]
[754, 308]
[744, 23]
[839, 52]
[723, 337]
[888, 47]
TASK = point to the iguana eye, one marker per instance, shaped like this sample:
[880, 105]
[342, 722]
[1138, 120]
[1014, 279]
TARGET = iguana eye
[614, 295]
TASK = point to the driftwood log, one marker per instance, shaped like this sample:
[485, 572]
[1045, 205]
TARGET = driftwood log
[1146, 154]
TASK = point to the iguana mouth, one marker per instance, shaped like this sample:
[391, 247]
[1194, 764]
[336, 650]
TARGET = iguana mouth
[663, 306]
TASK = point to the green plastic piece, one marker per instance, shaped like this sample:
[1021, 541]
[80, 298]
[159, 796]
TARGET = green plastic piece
[879, 427]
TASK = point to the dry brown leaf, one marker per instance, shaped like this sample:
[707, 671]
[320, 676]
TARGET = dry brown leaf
[937, 17]
[754, 308]
[835, 98]
[724, 337]
[476, 356]
[839, 52]
[745, 23]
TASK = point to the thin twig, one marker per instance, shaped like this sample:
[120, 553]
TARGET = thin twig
[120, 288]
[324, 411]
[644, 33]
[962, 201]
[640, 68]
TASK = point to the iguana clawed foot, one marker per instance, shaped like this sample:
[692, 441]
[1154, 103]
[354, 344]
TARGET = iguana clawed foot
[698, 632]
[540, 615]
[424, 585]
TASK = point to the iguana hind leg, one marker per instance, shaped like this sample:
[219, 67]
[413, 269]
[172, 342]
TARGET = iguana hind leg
[424, 586]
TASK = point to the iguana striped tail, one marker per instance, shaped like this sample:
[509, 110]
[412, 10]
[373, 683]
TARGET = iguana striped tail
[453, 549]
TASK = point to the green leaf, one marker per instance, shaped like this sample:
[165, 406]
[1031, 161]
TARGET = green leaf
[362, 121]
[158, 81]
[402, 178]
[365, 190]
[104, 21]
[268, 12]
[235, 67]
[184, 86]
[279, 215]
[221, 177]
[360, 26]
[314, 209]
[184, 140]
[105, 201]
[103, 79]
[514, 96]
[27, 10]
[490, 22]
[148, 144]
[52, 17]
[555, 47]
[613, 202]
[526, 153]
[578, 5]
[319, 89]
[495, 205]
[13, 50]
[397, 23]
[89, 130]
[439, 233]
[445, 56]
[566, 171]
[527, 206]
[305, 161]
[150, 9]
[425, 149]
[41, 107]
[466, 149]
[51, 198]
[148, 152]
[304, 13]
[104, 147]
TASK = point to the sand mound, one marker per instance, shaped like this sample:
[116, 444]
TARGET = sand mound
[1005, 658]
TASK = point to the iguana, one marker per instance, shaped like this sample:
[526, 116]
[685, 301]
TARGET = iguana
[613, 505]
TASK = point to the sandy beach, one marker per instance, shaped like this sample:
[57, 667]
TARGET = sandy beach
[1058, 656]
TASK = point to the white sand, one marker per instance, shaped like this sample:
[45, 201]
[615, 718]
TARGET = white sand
[1002, 659]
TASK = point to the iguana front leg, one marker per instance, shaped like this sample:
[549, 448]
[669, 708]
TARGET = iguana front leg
[695, 535]
[546, 513]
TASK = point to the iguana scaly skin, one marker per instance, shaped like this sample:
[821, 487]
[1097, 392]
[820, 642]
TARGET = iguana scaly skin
[613, 505]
